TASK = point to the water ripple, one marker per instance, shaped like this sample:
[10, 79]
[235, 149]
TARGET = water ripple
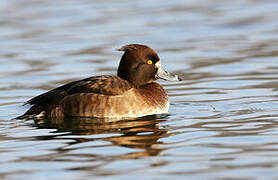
[223, 116]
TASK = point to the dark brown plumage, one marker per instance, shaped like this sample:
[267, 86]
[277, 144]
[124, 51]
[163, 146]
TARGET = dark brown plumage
[133, 93]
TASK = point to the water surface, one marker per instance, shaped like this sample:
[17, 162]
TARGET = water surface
[222, 122]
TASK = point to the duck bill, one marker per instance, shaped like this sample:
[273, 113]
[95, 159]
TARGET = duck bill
[162, 74]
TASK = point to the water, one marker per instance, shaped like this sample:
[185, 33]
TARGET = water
[223, 115]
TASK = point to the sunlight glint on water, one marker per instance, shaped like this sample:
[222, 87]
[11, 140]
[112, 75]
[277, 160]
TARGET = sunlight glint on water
[223, 115]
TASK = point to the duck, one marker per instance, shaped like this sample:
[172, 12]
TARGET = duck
[132, 93]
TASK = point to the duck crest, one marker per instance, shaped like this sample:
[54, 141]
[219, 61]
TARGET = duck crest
[128, 47]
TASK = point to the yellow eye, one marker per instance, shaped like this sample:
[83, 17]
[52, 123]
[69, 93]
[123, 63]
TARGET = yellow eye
[149, 62]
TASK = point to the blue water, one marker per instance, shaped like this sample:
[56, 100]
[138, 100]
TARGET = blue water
[222, 122]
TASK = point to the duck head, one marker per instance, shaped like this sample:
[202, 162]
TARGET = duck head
[141, 65]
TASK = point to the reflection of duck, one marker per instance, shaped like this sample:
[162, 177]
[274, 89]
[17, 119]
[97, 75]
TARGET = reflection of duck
[143, 133]
[133, 93]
